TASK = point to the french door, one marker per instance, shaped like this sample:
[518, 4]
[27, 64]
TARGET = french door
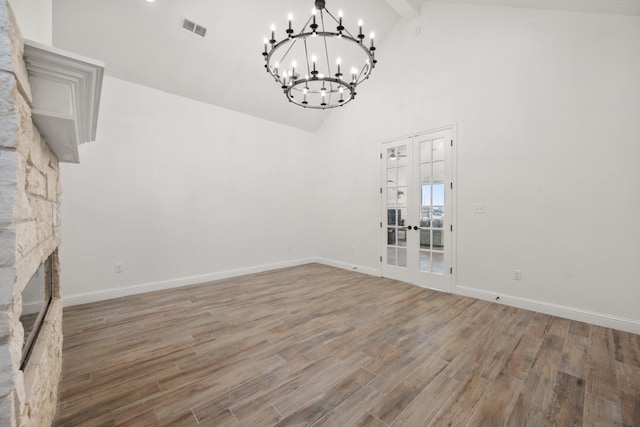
[416, 203]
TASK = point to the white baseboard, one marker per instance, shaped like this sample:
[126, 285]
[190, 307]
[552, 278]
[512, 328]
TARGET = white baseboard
[345, 266]
[87, 297]
[600, 319]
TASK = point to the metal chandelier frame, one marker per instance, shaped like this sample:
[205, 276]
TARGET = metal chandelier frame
[316, 90]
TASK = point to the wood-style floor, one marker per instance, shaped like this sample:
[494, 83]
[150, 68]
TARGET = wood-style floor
[314, 345]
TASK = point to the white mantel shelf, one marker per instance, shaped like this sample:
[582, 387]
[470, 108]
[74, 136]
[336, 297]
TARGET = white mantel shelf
[66, 92]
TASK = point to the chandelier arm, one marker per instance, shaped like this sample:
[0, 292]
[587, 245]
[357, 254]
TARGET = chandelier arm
[362, 72]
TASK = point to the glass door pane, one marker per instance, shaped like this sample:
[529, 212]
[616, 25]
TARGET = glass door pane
[397, 181]
[431, 209]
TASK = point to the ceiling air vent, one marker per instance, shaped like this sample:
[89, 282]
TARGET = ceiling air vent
[200, 30]
[192, 27]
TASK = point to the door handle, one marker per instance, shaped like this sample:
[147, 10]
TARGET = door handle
[415, 227]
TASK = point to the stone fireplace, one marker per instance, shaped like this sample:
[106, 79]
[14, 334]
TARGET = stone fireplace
[34, 136]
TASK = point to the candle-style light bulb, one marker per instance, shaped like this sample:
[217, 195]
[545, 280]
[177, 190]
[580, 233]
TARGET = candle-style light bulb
[313, 25]
[360, 23]
[290, 18]
[294, 64]
[273, 33]
[354, 73]
[265, 44]
[372, 36]
[339, 62]
[313, 61]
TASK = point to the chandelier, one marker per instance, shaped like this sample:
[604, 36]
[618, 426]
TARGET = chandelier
[309, 65]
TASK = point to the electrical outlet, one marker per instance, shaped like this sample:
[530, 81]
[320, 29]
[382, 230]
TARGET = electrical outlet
[517, 275]
[478, 208]
[118, 268]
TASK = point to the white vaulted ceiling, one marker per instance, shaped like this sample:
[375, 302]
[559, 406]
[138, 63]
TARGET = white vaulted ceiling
[142, 42]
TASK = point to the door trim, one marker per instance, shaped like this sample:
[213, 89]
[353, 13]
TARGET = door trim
[453, 128]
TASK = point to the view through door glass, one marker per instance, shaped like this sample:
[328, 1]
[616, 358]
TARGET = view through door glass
[432, 206]
[397, 180]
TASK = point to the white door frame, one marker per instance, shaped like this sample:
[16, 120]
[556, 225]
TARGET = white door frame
[452, 197]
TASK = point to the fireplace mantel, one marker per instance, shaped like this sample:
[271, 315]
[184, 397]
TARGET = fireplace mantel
[65, 90]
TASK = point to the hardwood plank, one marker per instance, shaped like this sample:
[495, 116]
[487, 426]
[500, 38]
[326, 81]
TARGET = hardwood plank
[266, 416]
[327, 401]
[600, 412]
[402, 395]
[497, 403]
[369, 420]
[628, 377]
[533, 403]
[567, 406]
[244, 409]
[523, 356]
[602, 380]
[579, 328]
[575, 356]
[352, 408]
[462, 403]
[627, 347]
[538, 325]
[426, 406]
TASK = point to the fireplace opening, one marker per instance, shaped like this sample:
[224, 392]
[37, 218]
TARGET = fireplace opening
[36, 299]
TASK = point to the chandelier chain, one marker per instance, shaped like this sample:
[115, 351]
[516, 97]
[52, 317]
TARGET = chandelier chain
[326, 51]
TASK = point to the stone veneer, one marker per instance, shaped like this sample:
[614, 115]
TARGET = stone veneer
[29, 234]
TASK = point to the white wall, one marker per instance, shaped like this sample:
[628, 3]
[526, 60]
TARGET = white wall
[180, 192]
[547, 106]
[34, 19]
